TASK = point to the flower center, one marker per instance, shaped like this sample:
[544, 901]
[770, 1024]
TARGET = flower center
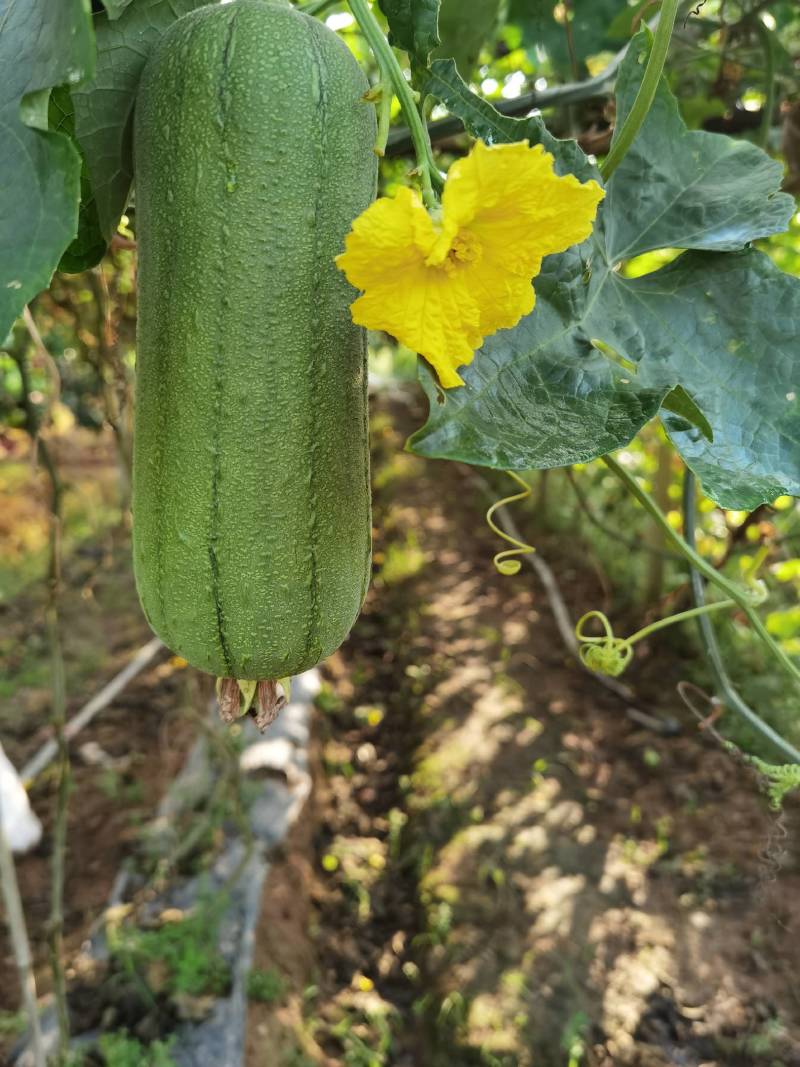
[465, 248]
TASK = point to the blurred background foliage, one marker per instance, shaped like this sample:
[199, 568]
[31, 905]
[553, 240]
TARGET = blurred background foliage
[735, 68]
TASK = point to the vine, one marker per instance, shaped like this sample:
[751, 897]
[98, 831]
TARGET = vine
[392, 76]
[744, 598]
[608, 654]
[626, 135]
[733, 698]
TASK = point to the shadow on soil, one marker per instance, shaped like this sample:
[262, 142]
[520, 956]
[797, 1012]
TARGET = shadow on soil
[504, 869]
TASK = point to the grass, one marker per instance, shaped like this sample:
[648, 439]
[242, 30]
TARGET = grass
[267, 986]
[182, 953]
[120, 1050]
[12, 1023]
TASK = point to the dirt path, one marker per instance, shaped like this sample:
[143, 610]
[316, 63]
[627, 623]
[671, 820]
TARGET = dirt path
[499, 867]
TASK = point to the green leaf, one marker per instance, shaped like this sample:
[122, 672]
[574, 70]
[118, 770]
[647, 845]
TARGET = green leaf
[679, 403]
[726, 326]
[104, 106]
[445, 84]
[542, 395]
[89, 246]
[413, 26]
[42, 44]
[721, 326]
[678, 188]
[464, 28]
[592, 23]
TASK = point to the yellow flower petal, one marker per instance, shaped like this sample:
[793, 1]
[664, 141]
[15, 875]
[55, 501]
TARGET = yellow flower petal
[426, 310]
[441, 285]
[421, 305]
[391, 234]
[503, 297]
[510, 197]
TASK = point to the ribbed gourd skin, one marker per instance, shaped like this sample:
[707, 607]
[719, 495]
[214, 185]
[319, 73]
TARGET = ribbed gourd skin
[251, 497]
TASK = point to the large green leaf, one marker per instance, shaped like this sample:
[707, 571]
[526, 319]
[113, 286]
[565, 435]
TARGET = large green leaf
[465, 26]
[680, 188]
[601, 352]
[727, 326]
[413, 26]
[542, 395]
[104, 106]
[445, 84]
[42, 44]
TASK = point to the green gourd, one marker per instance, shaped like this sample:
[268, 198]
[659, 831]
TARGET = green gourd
[253, 154]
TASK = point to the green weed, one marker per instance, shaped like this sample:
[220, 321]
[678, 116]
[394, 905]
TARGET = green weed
[12, 1023]
[120, 1050]
[186, 950]
[266, 986]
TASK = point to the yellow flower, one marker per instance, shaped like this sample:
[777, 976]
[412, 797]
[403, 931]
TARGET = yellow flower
[440, 284]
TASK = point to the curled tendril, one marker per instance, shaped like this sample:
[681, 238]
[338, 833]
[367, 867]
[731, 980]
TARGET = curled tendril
[504, 561]
[603, 653]
[610, 655]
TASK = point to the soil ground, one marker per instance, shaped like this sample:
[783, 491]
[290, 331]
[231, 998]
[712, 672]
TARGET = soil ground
[497, 866]
[123, 762]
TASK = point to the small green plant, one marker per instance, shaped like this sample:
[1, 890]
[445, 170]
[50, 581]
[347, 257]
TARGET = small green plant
[328, 701]
[267, 985]
[121, 1050]
[186, 950]
[573, 1039]
[12, 1023]
[366, 1038]
[779, 780]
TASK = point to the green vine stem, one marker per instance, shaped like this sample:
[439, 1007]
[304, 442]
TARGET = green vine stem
[647, 90]
[731, 589]
[381, 96]
[392, 74]
[766, 38]
[726, 687]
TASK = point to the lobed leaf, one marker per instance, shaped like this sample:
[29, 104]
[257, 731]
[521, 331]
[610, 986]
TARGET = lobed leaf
[413, 26]
[482, 120]
[726, 326]
[542, 395]
[680, 188]
[42, 45]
